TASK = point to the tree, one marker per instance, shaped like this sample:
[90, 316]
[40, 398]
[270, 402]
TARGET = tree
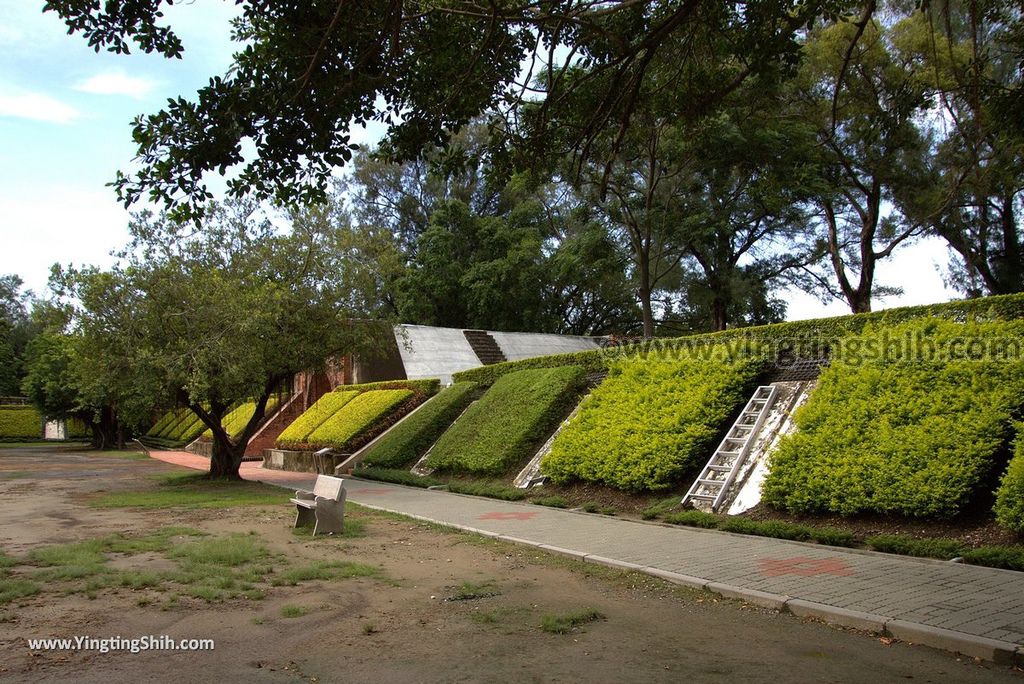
[308, 71]
[969, 65]
[16, 331]
[221, 314]
[864, 100]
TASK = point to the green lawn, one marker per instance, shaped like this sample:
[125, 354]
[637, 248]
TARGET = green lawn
[194, 490]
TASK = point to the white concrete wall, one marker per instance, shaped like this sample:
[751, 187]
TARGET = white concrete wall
[517, 346]
[429, 352]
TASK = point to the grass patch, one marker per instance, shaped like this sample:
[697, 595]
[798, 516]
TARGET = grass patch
[492, 490]
[291, 611]
[708, 521]
[924, 548]
[325, 570]
[660, 508]
[395, 476]
[470, 591]
[551, 501]
[568, 622]
[195, 491]
[12, 589]
[117, 453]
[592, 507]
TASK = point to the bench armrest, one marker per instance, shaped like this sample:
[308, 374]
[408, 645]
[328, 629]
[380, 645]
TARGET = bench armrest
[304, 494]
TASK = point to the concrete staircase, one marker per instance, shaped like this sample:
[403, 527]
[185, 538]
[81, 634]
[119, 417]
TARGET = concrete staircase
[484, 346]
[266, 436]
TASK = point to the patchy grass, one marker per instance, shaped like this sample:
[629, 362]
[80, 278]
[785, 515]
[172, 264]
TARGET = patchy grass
[470, 591]
[394, 476]
[354, 528]
[660, 508]
[569, 622]
[292, 611]
[190, 490]
[326, 570]
[126, 454]
[551, 501]
[15, 474]
[12, 589]
[592, 507]
[492, 490]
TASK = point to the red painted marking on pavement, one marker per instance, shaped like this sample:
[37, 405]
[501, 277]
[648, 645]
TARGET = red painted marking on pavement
[804, 567]
[507, 515]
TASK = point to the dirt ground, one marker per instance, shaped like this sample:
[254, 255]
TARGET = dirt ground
[447, 607]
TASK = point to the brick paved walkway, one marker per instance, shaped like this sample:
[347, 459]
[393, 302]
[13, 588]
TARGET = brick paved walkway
[974, 610]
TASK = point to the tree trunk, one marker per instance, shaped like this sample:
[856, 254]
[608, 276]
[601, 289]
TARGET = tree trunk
[644, 292]
[226, 457]
[104, 430]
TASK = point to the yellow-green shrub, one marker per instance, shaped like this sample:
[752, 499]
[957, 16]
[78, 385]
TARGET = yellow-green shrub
[651, 420]
[409, 440]
[1009, 506]
[162, 424]
[353, 421]
[181, 415]
[892, 430]
[296, 434]
[505, 427]
[234, 422]
[22, 422]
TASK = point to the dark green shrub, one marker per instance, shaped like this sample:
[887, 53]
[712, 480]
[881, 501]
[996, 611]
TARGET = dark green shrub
[708, 521]
[22, 422]
[492, 490]
[357, 417]
[409, 440]
[551, 501]
[777, 529]
[505, 427]
[651, 420]
[908, 546]
[1006, 557]
[892, 430]
[402, 477]
[1009, 506]
[833, 536]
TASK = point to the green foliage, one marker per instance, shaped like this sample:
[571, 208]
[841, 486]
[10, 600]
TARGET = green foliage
[708, 521]
[551, 501]
[651, 420]
[195, 491]
[189, 430]
[810, 338]
[1009, 506]
[568, 622]
[77, 428]
[233, 423]
[357, 418]
[396, 476]
[492, 490]
[892, 430]
[428, 387]
[777, 529]
[296, 434]
[409, 440]
[503, 428]
[1006, 557]
[162, 424]
[20, 422]
[923, 548]
[181, 416]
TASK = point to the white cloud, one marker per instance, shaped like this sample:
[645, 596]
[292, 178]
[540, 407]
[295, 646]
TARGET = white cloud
[37, 107]
[117, 83]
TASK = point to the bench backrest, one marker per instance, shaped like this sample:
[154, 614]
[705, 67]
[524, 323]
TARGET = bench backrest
[328, 487]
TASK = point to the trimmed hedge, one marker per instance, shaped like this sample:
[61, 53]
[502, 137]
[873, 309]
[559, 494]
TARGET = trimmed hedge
[892, 430]
[426, 388]
[1009, 506]
[810, 338]
[235, 421]
[356, 418]
[505, 427]
[181, 416]
[651, 421]
[408, 441]
[20, 422]
[77, 428]
[162, 424]
[296, 434]
[189, 430]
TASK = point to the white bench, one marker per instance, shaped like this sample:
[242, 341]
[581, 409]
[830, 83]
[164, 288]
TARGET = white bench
[324, 507]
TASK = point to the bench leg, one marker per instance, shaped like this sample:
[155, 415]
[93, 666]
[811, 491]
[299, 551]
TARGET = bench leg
[304, 517]
[330, 517]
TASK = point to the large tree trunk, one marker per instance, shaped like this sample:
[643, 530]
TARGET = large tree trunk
[644, 292]
[104, 430]
[226, 457]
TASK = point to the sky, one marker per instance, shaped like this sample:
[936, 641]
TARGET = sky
[65, 130]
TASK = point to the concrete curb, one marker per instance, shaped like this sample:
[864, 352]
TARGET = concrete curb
[993, 650]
